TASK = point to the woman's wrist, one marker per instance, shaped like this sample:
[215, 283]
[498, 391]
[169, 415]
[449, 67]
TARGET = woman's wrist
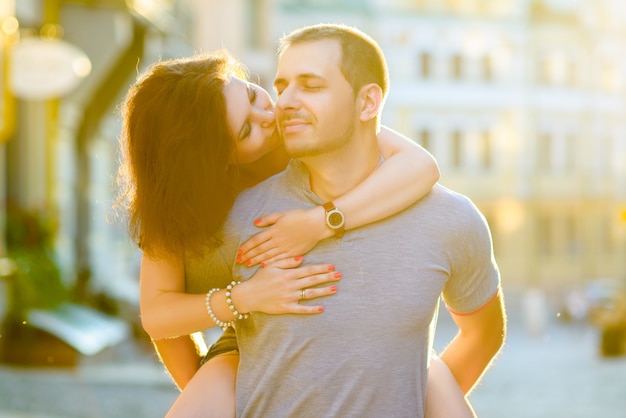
[237, 313]
[209, 303]
[240, 297]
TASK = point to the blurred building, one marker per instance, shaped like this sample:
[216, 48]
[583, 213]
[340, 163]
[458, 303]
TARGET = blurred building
[62, 155]
[521, 101]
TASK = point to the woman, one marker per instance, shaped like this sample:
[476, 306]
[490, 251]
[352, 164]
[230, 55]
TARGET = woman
[183, 166]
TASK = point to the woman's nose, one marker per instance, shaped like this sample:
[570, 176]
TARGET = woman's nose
[265, 116]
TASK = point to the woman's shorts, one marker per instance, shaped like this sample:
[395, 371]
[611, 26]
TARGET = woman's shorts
[227, 344]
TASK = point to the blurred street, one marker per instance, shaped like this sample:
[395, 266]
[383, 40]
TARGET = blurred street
[559, 374]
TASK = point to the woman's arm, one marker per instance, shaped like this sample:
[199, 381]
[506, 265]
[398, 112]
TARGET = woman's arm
[408, 174]
[167, 311]
[444, 397]
[180, 357]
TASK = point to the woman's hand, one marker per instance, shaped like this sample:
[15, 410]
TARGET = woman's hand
[287, 234]
[278, 288]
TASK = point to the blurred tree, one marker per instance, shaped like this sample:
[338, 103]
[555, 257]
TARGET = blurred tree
[37, 282]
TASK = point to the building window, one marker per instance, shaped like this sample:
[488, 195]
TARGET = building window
[605, 231]
[608, 78]
[612, 150]
[572, 237]
[456, 149]
[571, 78]
[425, 65]
[571, 147]
[544, 152]
[545, 236]
[487, 70]
[543, 71]
[456, 64]
[486, 150]
[254, 24]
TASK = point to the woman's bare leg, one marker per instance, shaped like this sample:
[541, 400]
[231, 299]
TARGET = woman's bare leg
[211, 392]
[444, 397]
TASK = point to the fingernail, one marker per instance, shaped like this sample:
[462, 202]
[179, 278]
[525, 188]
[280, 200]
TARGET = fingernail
[240, 251]
[331, 268]
[257, 221]
[321, 309]
[238, 259]
[262, 263]
[337, 275]
[333, 288]
[298, 258]
[247, 262]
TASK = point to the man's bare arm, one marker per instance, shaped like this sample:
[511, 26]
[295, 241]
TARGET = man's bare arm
[481, 335]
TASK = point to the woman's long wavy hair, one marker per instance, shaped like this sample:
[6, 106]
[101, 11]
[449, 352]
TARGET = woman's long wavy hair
[176, 181]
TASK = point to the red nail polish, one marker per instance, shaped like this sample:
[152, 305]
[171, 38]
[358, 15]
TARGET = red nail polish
[240, 251]
[248, 263]
[333, 288]
[321, 309]
[338, 275]
[298, 258]
[262, 263]
[257, 221]
[331, 268]
[238, 259]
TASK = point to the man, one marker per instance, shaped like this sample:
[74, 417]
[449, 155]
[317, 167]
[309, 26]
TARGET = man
[367, 354]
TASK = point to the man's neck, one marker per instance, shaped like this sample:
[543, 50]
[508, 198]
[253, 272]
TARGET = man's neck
[334, 174]
[272, 163]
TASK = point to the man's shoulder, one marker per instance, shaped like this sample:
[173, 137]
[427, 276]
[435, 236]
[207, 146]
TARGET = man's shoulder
[441, 195]
[453, 207]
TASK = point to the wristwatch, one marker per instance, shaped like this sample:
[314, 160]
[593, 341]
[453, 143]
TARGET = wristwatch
[335, 219]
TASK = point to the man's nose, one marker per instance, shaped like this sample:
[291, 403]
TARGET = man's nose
[287, 99]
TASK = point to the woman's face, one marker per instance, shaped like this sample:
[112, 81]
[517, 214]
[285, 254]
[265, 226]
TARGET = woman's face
[250, 119]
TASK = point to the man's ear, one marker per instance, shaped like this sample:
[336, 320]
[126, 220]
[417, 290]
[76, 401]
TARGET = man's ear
[370, 100]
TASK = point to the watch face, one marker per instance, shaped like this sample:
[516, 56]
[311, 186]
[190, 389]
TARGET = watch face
[335, 219]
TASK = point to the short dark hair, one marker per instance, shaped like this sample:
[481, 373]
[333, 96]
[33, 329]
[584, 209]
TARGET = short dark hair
[362, 60]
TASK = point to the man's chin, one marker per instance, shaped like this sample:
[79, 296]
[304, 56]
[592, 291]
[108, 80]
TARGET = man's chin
[300, 152]
[293, 151]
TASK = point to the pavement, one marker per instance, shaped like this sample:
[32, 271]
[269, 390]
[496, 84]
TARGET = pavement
[554, 372]
[123, 381]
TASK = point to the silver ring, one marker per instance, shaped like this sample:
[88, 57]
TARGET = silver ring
[302, 294]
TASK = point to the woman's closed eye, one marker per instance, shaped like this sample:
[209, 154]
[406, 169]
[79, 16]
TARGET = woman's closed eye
[245, 129]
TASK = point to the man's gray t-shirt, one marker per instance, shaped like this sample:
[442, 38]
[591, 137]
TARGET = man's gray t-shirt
[366, 355]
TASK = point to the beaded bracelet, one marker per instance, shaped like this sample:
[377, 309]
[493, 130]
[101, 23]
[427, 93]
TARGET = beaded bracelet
[229, 301]
[207, 302]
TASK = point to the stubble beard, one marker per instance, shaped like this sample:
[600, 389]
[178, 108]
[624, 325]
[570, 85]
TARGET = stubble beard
[318, 148]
